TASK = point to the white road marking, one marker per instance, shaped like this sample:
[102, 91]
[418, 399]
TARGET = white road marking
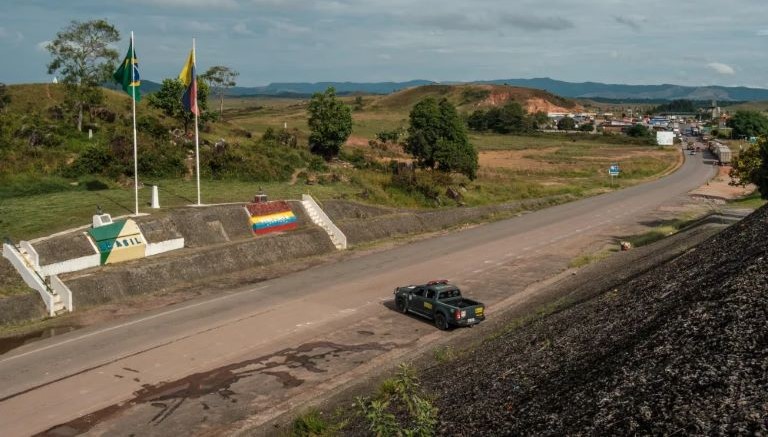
[123, 325]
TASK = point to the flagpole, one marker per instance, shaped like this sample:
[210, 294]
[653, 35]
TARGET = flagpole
[197, 141]
[135, 147]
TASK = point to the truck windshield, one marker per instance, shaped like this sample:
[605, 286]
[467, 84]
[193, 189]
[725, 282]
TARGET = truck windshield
[448, 294]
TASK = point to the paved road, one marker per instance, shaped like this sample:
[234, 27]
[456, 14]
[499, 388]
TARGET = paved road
[60, 379]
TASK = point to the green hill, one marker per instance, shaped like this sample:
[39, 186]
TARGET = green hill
[470, 97]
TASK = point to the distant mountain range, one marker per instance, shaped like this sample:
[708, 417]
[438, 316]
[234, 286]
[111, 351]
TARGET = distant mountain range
[561, 88]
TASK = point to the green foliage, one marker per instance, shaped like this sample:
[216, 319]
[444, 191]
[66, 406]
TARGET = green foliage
[259, 161]
[443, 354]
[358, 103]
[566, 123]
[82, 53]
[5, 98]
[220, 78]
[472, 94]
[676, 106]
[509, 119]
[437, 138]
[399, 408]
[313, 424]
[587, 127]
[639, 131]
[330, 123]
[539, 120]
[762, 173]
[390, 136]
[96, 159]
[749, 124]
[750, 166]
[746, 165]
[168, 100]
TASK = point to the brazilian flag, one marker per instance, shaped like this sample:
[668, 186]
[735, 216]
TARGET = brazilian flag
[129, 77]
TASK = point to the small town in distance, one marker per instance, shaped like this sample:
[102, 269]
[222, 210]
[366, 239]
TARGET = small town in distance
[376, 219]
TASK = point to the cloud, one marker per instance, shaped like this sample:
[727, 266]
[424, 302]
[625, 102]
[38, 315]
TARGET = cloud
[287, 27]
[721, 68]
[10, 35]
[633, 24]
[456, 22]
[241, 29]
[197, 4]
[492, 23]
[533, 23]
[199, 26]
[762, 32]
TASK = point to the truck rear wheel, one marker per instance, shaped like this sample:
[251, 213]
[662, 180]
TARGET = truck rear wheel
[400, 305]
[441, 322]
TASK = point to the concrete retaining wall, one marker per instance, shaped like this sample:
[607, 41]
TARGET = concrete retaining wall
[382, 223]
[149, 275]
[20, 308]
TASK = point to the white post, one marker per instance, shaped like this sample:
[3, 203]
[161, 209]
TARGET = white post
[197, 140]
[135, 147]
[155, 197]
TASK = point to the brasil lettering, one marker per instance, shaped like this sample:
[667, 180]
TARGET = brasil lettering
[118, 241]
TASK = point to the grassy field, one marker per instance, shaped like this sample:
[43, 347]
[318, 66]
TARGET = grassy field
[512, 167]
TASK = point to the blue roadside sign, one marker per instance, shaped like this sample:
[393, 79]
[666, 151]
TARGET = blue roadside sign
[614, 170]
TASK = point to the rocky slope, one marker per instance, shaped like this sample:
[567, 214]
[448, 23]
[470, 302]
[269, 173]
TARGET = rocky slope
[680, 349]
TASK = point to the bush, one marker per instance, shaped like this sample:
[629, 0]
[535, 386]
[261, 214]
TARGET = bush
[96, 159]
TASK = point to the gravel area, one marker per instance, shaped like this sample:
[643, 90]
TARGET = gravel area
[682, 348]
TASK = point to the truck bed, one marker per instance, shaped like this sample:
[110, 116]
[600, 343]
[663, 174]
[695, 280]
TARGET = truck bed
[460, 302]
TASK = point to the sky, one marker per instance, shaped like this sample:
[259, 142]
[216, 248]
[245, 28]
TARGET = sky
[702, 42]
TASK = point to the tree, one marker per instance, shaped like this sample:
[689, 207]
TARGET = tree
[438, 139]
[168, 100]
[749, 124]
[511, 118]
[83, 55]
[566, 123]
[330, 123]
[5, 98]
[221, 78]
[751, 167]
[638, 131]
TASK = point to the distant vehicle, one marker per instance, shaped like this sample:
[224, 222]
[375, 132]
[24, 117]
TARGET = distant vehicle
[693, 152]
[441, 302]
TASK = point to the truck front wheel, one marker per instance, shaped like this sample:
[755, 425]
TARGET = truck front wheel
[441, 322]
[400, 305]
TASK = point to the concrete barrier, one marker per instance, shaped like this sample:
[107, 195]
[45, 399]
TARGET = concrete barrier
[30, 276]
[98, 286]
[71, 265]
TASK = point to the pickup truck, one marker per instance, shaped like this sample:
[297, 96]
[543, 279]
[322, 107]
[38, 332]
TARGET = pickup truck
[441, 302]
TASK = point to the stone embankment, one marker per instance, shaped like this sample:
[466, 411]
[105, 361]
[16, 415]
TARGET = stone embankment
[679, 349]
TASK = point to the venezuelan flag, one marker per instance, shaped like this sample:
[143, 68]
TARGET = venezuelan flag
[281, 221]
[189, 79]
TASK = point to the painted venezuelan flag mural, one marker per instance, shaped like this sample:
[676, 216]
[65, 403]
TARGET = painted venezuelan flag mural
[271, 217]
[119, 241]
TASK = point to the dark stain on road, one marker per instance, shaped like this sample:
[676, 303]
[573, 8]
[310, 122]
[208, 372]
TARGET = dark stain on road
[167, 397]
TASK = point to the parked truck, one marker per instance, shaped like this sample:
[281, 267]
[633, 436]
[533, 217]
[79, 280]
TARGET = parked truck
[721, 151]
[441, 302]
